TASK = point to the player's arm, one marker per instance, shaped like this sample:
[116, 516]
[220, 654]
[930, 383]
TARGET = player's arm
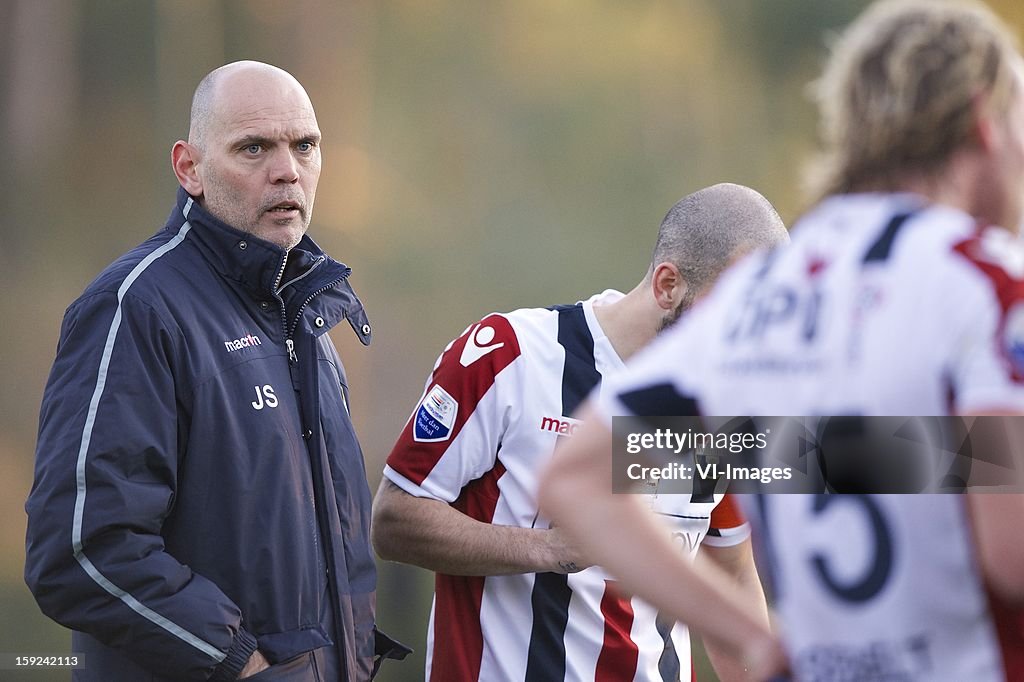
[432, 534]
[737, 561]
[435, 506]
[996, 518]
[618, 533]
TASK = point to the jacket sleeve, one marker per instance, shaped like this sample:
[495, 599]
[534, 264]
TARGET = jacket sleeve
[105, 481]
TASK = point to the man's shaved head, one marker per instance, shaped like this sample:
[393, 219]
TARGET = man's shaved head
[204, 99]
[253, 153]
[707, 230]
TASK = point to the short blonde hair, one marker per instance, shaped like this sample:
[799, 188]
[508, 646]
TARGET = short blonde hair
[897, 95]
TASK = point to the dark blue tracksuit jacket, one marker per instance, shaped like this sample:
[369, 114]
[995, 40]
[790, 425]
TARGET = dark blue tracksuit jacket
[199, 488]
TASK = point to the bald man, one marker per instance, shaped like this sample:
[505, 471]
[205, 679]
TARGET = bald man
[514, 600]
[200, 507]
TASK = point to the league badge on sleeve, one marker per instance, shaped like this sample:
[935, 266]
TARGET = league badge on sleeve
[1013, 339]
[435, 416]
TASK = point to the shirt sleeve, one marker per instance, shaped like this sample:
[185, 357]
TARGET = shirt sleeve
[987, 356]
[728, 525]
[456, 429]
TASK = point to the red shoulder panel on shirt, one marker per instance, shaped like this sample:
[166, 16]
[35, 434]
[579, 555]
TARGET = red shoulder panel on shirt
[465, 373]
[727, 514]
[996, 255]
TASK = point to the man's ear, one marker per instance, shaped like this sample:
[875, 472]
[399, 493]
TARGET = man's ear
[985, 129]
[668, 286]
[185, 160]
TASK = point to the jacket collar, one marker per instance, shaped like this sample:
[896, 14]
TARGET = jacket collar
[255, 263]
[259, 266]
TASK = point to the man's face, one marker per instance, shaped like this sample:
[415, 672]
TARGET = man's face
[260, 158]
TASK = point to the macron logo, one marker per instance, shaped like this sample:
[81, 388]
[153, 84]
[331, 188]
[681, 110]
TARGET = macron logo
[244, 342]
[480, 343]
[566, 426]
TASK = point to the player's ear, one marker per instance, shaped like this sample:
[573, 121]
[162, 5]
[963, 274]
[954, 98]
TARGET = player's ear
[185, 160]
[985, 126]
[668, 286]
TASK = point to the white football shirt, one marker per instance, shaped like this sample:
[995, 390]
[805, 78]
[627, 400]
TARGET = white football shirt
[881, 305]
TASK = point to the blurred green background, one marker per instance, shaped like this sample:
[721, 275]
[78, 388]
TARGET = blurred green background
[478, 156]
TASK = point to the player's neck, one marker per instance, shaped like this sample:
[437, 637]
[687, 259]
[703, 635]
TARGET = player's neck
[629, 323]
[956, 186]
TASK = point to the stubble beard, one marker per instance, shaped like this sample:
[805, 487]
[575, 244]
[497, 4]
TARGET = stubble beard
[285, 233]
[671, 318]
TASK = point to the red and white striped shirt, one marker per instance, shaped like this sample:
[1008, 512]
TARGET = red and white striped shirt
[497, 401]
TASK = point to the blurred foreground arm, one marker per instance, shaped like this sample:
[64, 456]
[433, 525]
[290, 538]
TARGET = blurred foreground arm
[738, 562]
[996, 518]
[618, 533]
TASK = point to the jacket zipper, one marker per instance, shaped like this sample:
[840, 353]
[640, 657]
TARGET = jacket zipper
[289, 331]
[293, 362]
[284, 314]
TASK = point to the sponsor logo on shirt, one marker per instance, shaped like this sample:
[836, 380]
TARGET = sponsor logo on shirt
[565, 426]
[243, 342]
[435, 416]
